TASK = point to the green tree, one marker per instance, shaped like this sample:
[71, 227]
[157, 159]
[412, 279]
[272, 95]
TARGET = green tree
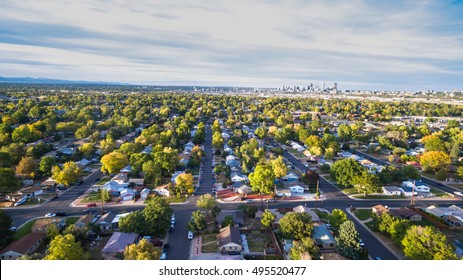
[304, 249]
[410, 172]
[455, 151]
[435, 160]
[6, 234]
[144, 250]
[267, 219]
[65, 248]
[227, 221]
[52, 232]
[68, 175]
[184, 182]
[113, 162]
[296, 225]
[197, 222]
[46, 163]
[337, 218]
[87, 149]
[279, 167]
[134, 222]
[26, 167]
[8, 181]
[153, 172]
[345, 170]
[460, 172]
[426, 243]
[217, 140]
[347, 242]
[262, 179]
[441, 175]
[433, 143]
[206, 202]
[157, 215]
[366, 183]
[345, 132]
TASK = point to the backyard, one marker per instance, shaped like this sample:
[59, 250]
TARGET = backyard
[209, 243]
[258, 241]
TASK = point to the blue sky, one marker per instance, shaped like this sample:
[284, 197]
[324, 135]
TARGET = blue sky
[361, 44]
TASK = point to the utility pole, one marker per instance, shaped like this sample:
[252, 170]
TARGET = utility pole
[316, 195]
[412, 202]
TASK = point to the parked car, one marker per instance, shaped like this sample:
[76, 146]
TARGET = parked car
[377, 258]
[171, 228]
[361, 243]
[163, 256]
[165, 248]
[50, 215]
[12, 228]
[54, 197]
[172, 219]
[91, 205]
[61, 214]
[328, 226]
[190, 235]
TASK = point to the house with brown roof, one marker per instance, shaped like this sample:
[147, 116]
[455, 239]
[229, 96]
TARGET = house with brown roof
[229, 240]
[379, 209]
[41, 225]
[86, 220]
[26, 245]
[405, 213]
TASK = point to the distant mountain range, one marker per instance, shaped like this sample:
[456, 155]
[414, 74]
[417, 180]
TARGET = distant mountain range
[29, 80]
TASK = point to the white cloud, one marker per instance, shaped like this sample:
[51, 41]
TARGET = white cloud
[255, 43]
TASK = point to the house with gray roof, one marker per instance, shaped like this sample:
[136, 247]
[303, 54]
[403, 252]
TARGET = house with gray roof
[118, 242]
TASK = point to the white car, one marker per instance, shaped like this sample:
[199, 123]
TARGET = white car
[163, 256]
[190, 235]
[50, 215]
[361, 243]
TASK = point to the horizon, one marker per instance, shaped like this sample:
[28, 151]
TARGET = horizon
[393, 46]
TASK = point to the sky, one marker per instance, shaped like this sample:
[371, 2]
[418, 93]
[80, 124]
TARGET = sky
[360, 44]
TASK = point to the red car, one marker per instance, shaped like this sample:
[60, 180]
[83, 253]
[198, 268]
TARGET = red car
[91, 205]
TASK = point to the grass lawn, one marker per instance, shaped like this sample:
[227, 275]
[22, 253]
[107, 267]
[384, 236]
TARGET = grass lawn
[439, 193]
[363, 214]
[103, 181]
[257, 242]
[322, 214]
[424, 222]
[172, 199]
[209, 248]
[369, 225]
[92, 197]
[209, 238]
[34, 201]
[24, 230]
[71, 220]
[349, 191]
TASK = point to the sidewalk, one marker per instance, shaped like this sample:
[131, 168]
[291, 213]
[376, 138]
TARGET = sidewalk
[398, 255]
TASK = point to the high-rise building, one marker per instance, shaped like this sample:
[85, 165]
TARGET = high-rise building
[335, 87]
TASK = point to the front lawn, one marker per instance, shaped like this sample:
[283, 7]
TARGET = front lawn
[171, 199]
[363, 214]
[92, 197]
[103, 181]
[209, 248]
[34, 201]
[208, 238]
[71, 220]
[424, 222]
[439, 193]
[322, 214]
[24, 230]
[361, 196]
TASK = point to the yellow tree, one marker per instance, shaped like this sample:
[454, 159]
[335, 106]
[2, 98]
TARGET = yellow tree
[113, 162]
[68, 175]
[184, 183]
[144, 250]
[435, 160]
[26, 167]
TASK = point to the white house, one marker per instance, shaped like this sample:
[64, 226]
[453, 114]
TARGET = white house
[392, 190]
[418, 188]
[127, 194]
[237, 176]
[281, 193]
[225, 136]
[144, 193]
[244, 190]
[162, 191]
[120, 178]
[296, 189]
[422, 188]
[114, 187]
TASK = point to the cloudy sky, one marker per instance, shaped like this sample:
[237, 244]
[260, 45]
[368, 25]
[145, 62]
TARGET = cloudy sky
[360, 44]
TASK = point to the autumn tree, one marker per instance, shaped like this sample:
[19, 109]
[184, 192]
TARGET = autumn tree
[65, 248]
[267, 219]
[87, 149]
[296, 225]
[279, 167]
[68, 175]
[144, 250]
[217, 140]
[262, 179]
[337, 218]
[435, 160]
[426, 243]
[184, 183]
[26, 167]
[113, 162]
[305, 249]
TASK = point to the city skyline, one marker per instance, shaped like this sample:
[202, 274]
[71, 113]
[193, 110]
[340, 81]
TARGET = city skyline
[398, 45]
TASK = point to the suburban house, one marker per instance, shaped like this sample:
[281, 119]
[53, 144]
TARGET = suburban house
[31, 191]
[147, 150]
[296, 189]
[405, 213]
[453, 220]
[117, 243]
[162, 191]
[24, 246]
[126, 170]
[115, 187]
[379, 209]
[105, 221]
[115, 221]
[304, 209]
[120, 178]
[445, 211]
[48, 183]
[41, 225]
[290, 177]
[418, 188]
[144, 193]
[323, 237]
[237, 215]
[392, 190]
[283, 193]
[287, 245]
[83, 162]
[86, 220]
[127, 194]
[229, 240]
[237, 176]
[408, 191]
[175, 175]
